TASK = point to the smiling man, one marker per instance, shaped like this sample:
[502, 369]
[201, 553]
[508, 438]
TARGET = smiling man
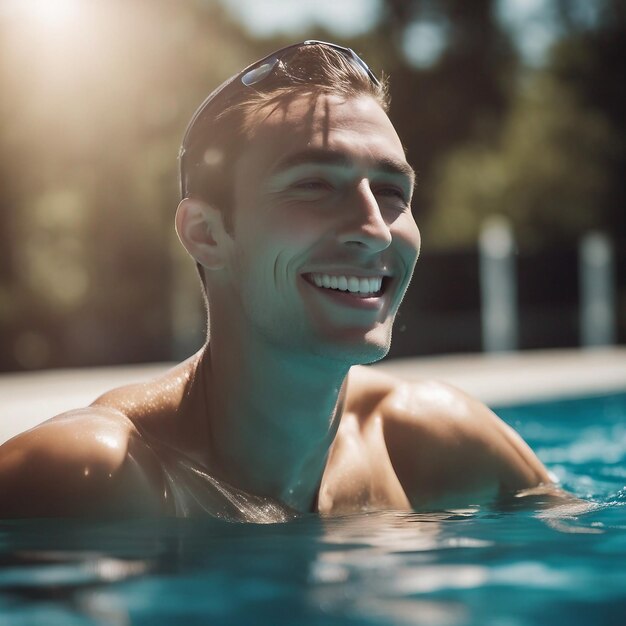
[296, 208]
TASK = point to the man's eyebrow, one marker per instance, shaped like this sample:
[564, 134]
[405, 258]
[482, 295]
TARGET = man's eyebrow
[323, 156]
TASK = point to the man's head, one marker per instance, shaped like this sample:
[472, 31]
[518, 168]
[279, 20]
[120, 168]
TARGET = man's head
[304, 231]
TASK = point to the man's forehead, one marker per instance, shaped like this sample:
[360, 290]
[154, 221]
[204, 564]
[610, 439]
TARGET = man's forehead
[325, 128]
[319, 112]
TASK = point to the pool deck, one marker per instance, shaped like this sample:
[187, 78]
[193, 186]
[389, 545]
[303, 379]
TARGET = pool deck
[512, 378]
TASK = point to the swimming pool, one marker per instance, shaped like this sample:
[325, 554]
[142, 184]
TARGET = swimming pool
[480, 566]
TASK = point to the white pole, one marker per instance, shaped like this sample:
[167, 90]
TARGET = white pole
[498, 286]
[597, 293]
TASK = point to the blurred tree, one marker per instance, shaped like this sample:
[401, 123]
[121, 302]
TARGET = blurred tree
[556, 168]
[590, 61]
[458, 93]
[546, 173]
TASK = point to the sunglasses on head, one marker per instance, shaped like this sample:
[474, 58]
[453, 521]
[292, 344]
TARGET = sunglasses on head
[258, 72]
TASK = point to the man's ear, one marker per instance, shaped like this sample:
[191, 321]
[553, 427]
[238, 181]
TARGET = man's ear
[200, 228]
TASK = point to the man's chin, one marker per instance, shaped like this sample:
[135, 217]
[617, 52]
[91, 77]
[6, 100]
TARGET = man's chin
[367, 350]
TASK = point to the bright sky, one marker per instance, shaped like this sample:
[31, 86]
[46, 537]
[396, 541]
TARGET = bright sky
[342, 17]
[53, 13]
[529, 23]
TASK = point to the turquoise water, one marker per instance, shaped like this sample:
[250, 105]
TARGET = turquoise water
[509, 566]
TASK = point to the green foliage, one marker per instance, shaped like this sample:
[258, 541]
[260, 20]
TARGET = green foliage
[546, 172]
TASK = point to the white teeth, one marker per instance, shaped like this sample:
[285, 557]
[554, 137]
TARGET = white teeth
[353, 284]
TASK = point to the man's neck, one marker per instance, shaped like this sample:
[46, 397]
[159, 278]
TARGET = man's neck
[272, 417]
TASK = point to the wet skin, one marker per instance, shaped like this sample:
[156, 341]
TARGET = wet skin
[276, 404]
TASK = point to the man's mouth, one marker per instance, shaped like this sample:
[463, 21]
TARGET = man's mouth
[357, 286]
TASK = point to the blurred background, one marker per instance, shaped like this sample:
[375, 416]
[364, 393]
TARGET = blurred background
[512, 112]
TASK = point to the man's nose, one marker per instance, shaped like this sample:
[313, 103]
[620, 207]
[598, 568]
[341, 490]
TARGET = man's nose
[364, 225]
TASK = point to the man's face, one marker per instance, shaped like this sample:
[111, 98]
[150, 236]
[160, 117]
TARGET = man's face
[324, 242]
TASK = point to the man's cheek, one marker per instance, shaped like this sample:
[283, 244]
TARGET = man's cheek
[408, 241]
[291, 232]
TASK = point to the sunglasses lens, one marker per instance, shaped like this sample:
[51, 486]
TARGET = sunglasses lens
[257, 74]
[261, 72]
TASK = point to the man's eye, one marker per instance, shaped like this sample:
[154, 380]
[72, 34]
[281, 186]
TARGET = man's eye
[392, 192]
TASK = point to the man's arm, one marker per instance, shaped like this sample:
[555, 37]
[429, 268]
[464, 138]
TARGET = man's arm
[89, 462]
[449, 449]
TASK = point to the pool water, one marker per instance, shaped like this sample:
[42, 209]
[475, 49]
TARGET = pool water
[512, 566]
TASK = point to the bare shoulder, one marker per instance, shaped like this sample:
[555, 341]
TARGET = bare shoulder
[444, 443]
[95, 460]
[83, 462]
[152, 400]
